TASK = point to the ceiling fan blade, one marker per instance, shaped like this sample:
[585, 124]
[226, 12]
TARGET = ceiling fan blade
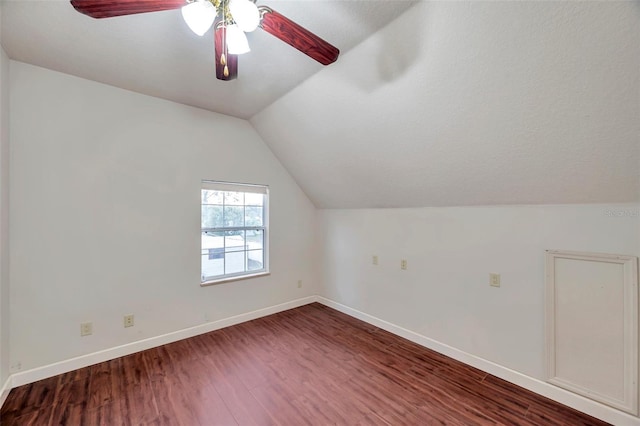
[297, 36]
[110, 8]
[231, 61]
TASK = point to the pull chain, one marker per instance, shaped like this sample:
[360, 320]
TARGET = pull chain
[223, 57]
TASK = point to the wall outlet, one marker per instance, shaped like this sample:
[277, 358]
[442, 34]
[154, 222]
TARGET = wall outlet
[299, 283]
[128, 321]
[403, 264]
[494, 280]
[374, 259]
[86, 329]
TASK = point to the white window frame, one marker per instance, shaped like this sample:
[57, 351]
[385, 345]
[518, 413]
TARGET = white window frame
[246, 188]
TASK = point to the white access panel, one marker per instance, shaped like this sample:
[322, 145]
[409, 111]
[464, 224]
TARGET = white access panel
[592, 326]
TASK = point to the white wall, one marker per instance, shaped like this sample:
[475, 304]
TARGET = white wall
[105, 189]
[444, 294]
[4, 214]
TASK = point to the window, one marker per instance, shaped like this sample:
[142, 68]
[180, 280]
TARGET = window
[234, 231]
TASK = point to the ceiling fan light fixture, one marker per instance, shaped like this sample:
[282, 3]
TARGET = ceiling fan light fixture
[199, 16]
[237, 42]
[245, 14]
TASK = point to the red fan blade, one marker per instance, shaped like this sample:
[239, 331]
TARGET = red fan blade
[110, 8]
[297, 36]
[231, 60]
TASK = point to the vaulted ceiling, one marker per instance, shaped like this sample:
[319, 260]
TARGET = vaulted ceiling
[156, 53]
[471, 103]
[451, 103]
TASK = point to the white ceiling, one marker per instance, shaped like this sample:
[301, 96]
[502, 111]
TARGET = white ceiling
[452, 103]
[469, 103]
[156, 54]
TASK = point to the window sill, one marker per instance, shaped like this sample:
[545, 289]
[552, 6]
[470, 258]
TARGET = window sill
[238, 278]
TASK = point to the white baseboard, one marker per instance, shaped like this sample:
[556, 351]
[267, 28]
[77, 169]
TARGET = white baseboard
[562, 396]
[4, 390]
[578, 402]
[30, 376]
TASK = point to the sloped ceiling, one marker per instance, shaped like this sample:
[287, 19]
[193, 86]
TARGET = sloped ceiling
[452, 103]
[156, 54]
[472, 103]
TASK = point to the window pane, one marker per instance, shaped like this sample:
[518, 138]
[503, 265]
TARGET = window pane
[212, 254]
[212, 239]
[234, 241]
[255, 240]
[234, 262]
[252, 199]
[211, 216]
[255, 260]
[211, 268]
[233, 198]
[253, 216]
[212, 197]
[233, 216]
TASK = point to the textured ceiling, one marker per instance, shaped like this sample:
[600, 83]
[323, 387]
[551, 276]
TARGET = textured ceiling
[156, 54]
[470, 103]
[452, 103]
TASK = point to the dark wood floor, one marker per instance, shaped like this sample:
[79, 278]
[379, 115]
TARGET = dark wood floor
[310, 365]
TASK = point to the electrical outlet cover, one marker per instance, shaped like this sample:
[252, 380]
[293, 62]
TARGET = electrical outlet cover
[128, 320]
[86, 329]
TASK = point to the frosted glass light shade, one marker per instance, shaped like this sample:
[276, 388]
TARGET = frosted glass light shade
[245, 14]
[199, 16]
[237, 42]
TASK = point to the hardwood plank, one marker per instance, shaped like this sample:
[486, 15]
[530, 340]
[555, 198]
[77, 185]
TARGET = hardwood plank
[104, 383]
[32, 418]
[309, 365]
[134, 368]
[246, 365]
[71, 397]
[157, 365]
[68, 414]
[72, 376]
[247, 415]
[181, 352]
[243, 406]
[330, 397]
[173, 401]
[434, 362]
[33, 397]
[138, 403]
[370, 419]
[324, 414]
[281, 410]
[105, 415]
[202, 397]
[550, 413]
[383, 399]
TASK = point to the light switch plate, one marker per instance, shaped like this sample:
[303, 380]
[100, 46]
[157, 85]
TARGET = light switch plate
[494, 280]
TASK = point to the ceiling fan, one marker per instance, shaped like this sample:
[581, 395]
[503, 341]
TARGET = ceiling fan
[232, 19]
